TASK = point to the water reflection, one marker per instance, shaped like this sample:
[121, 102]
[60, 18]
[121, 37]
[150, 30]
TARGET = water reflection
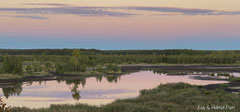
[94, 90]
[113, 78]
[74, 88]
[13, 89]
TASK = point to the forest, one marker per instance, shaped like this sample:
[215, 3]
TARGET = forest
[111, 52]
[60, 61]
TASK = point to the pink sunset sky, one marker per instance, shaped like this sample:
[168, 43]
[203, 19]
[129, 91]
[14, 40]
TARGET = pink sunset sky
[120, 24]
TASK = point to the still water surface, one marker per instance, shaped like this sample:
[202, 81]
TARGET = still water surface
[93, 91]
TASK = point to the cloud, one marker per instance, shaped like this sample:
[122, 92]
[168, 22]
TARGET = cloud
[84, 11]
[185, 11]
[26, 16]
[48, 4]
[31, 17]
[64, 9]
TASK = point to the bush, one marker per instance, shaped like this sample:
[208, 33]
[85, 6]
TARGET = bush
[60, 68]
[12, 64]
[29, 69]
[83, 68]
[112, 67]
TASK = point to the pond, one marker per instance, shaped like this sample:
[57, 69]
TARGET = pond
[93, 90]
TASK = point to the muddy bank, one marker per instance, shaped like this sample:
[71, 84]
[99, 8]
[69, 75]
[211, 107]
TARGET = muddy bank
[196, 68]
[6, 82]
[228, 87]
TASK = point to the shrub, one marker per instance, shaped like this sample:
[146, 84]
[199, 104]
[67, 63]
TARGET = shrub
[29, 69]
[12, 64]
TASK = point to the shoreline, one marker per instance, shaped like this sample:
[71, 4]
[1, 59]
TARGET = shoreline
[128, 69]
[204, 68]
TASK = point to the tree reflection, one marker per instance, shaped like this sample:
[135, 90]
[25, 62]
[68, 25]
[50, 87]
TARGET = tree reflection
[75, 92]
[99, 78]
[74, 88]
[113, 78]
[13, 89]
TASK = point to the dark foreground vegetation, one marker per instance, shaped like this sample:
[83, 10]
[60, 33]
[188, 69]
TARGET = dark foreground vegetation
[18, 63]
[3, 106]
[178, 97]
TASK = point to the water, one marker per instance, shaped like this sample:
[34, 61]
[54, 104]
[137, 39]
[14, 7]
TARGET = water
[93, 91]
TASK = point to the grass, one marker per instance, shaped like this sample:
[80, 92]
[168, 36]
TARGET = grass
[178, 97]
[87, 73]
[18, 76]
[10, 76]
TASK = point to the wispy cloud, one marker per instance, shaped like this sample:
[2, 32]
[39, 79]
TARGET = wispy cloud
[31, 17]
[185, 11]
[26, 16]
[48, 4]
[64, 9]
[84, 11]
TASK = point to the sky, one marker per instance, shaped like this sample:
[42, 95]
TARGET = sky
[120, 24]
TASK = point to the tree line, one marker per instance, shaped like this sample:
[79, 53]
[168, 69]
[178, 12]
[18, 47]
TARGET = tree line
[111, 52]
[80, 61]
